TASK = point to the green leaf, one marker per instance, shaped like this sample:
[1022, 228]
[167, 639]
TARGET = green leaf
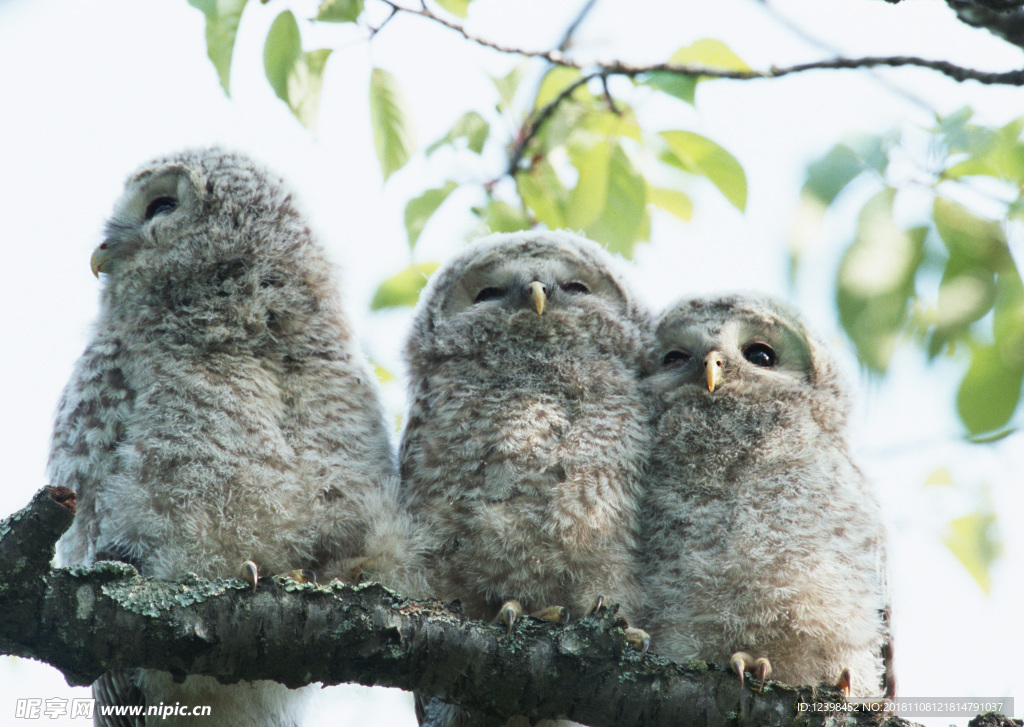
[624, 220]
[458, 8]
[973, 540]
[673, 201]
[828, 176]
[404, 288]
[383, 375]
[339, 11]
[419, 210]
[990, 391]
[392, 131]
[295, 76]
[940, 476]
[222, 19]
[998, 154]
[543, 192]
[699, 155]
[588, 199]
[875, 281]
[470, 126]
[508, 85]
[711, 54]
[500, 216]
[281, 52]
[556, 81]
[708, 53]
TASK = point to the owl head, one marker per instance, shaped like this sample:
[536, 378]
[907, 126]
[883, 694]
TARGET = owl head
[745, 348]
[209, 236]
[526, 288]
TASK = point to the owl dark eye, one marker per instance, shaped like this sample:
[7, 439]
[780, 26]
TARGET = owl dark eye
[676, 358]
[489, 293]
[760, 354]
[575, 286]
[159, 206]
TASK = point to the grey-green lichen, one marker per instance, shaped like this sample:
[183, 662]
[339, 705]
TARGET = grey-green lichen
[85, 601]
[151, 598]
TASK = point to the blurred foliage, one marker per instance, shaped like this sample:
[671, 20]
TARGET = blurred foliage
[972, 540]
[573, 154]
[574, 151]
[946, 282]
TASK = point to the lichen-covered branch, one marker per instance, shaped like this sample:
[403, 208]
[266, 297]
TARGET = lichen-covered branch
[86, 621]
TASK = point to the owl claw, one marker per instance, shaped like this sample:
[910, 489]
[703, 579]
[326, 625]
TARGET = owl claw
[762, 670]
[638, 639]
[742, 662]
[596, 606]
[249, 572]
[555, 614]
[845, 682]
[509, 613]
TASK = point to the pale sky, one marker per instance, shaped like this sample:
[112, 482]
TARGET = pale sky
[90, 90]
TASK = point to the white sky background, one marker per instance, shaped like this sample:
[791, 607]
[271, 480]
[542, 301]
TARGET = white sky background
[90, 90]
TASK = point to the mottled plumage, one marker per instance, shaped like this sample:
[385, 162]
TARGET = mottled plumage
[761, 535]
[527, 433]
[222, 411]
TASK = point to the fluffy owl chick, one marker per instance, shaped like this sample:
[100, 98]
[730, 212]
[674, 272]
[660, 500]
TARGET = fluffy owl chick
[763, 543]
[221, 412]
[527, 431]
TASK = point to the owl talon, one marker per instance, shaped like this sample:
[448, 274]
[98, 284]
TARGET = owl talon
[638, 639]
[762, 670]
[249, 572]
[742, 662]
[509, 613]
[845, 682]
[555, 614]
[596, 606]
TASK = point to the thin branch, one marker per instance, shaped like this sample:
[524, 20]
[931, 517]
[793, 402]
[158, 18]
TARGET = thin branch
[532, 126]
[958, 73]
[567, 37]
[86, 621]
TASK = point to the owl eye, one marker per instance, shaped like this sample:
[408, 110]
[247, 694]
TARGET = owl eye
[489, 293]
[575, 286]
[159, 206]
[676, 358]
[760, 354]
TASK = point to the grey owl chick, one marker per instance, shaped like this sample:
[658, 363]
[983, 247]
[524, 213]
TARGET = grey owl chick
[527, 430]
[764, 546]
[222, 411]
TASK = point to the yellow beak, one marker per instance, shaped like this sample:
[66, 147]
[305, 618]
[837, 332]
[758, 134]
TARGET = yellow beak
[540, 298]
[713, 369]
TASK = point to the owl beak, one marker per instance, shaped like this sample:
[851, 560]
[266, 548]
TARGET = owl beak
[107, 254]
[100, 256]
[713, 364]
[540, 296]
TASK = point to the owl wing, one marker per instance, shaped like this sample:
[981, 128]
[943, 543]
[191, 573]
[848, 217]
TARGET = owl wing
[91, 424]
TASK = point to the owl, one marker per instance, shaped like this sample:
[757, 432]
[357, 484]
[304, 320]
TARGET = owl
[222, 412]
[527, 432]
[763, 544]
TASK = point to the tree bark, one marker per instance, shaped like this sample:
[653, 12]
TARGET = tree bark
[85, 621]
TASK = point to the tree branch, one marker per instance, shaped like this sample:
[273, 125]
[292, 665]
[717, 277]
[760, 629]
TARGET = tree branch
[85, 621]
[958, 73]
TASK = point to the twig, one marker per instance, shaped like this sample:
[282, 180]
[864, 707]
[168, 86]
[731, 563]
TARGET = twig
[959, 73]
